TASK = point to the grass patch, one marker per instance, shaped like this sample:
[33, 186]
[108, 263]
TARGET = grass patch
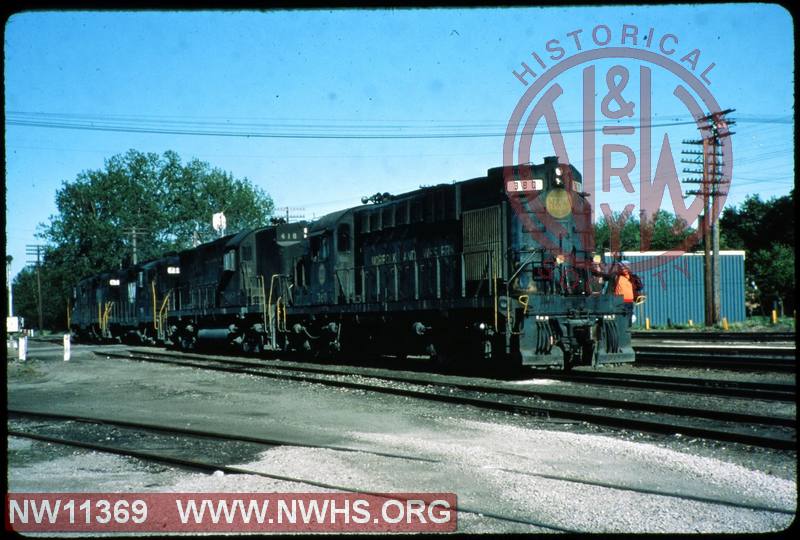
[751, 324]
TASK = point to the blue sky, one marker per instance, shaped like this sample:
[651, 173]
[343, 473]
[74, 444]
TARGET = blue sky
[408, 74]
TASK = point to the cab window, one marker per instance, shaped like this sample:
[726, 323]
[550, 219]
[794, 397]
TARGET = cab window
[320, 247]
[300, 273]
[229, 261]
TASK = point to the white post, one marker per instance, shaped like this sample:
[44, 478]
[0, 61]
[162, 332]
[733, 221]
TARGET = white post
[66, 347]
[10, 290]
[23, 348]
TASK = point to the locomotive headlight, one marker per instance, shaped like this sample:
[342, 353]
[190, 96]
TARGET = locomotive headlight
[482, 326]
[558, 180]
[113, 282]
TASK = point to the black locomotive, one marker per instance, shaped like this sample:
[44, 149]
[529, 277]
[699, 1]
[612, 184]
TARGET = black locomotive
[496, 269]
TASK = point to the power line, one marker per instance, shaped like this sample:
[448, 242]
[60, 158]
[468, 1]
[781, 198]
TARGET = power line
[227, 128]
[284, 135]
[251, 120]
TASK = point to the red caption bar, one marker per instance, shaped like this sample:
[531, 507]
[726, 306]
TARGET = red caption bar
[230, 512]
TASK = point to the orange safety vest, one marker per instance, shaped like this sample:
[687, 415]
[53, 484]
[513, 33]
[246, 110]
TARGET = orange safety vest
[624, 288]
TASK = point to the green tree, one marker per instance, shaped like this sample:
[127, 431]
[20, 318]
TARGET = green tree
[617, 233]
[167, 204]
[662, 232]
[773, 271]
[748, 225]
[666, 231]
[26, 300]
[765, 230]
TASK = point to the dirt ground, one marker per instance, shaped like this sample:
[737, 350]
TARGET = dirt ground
[504, 468]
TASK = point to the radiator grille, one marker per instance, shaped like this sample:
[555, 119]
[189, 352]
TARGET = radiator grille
[482, 243]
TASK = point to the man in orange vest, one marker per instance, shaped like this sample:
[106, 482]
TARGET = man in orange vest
[624, 288]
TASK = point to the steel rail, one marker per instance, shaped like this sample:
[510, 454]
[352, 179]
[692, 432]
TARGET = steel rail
[205, 466]
[714, 336]
[610, 420]
[708, 358]
[736, 389]
[200, 433]
[550, 396]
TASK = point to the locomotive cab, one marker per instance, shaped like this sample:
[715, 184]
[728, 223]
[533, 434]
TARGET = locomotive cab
[552, 314]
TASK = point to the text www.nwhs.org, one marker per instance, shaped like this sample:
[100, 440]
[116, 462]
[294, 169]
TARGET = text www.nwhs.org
[231, 512]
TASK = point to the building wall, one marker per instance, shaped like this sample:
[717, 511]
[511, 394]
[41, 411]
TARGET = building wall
[675, 290]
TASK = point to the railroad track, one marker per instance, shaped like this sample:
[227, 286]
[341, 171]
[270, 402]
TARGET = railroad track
[754, 358]
[734, 389]
[213, 466]
[706, 337]
[722, 425]
[116, 429]
[716, 387]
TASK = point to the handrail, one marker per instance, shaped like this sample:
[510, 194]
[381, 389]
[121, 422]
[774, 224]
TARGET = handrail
[153, 288]
[162, 311]
[264, 309]
[269, 302]
[524, 264]
[278, 314]
[496, 327]
[106, 316]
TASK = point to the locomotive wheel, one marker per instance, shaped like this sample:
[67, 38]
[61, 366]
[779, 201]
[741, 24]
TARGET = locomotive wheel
[568, 361]
[187, 343]
[587, 354]
[253, 344]
[444, 356]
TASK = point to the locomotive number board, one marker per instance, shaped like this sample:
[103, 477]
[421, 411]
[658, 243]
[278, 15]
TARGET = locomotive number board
[522, 186]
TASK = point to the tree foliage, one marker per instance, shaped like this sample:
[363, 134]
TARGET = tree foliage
[765, 230]
[661, 232]
[167, 204]
[26, 299]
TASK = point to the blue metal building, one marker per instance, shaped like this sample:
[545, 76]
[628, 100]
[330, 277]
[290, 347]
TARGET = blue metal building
[675, 290]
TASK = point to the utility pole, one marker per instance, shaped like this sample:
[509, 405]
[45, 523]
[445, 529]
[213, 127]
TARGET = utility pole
[134, 232]
[713, 129]
[299, 213]
[36, 250]
[718, 126]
